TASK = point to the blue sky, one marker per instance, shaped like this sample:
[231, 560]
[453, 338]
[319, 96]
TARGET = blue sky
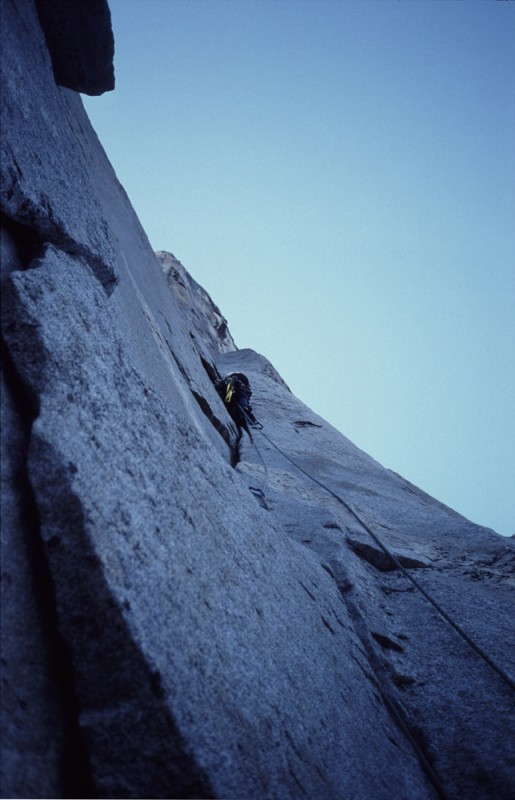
[340, 176]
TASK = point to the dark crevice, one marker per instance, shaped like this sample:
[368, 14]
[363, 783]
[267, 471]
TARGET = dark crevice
[206, 409]
[29, 244]
[218, 425]
[236, 452]
[386, 642]
[180, 367]
[310, 594]
[35, 227]
[384, 562]
[26, 401]
[211, 370]
[328, 625]
[75, 776]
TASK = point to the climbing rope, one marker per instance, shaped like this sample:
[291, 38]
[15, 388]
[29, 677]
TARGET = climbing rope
[393, 708]
[480, 652]
[260, 492]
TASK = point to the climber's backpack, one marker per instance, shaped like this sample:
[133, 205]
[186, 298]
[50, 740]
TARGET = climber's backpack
[229, 385]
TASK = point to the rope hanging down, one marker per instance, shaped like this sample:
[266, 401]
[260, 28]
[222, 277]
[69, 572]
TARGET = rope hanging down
[486, 658]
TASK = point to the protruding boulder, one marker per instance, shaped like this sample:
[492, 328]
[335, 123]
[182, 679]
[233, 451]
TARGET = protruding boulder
[80, 42]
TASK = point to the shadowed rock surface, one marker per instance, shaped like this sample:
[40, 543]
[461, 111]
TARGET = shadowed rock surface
[80, 42]
[184, 612]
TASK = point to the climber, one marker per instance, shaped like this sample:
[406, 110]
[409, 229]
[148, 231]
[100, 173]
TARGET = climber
[235, 391]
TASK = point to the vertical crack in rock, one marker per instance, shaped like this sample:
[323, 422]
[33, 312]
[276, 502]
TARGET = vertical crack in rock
[120, 692]
[224, 430]
[72, 771]
[217, 424]
[113, 697]
[380, 680]
[211, 370]
[113, 706]
[234, 444]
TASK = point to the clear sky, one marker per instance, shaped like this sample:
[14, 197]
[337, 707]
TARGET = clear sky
[340, 176]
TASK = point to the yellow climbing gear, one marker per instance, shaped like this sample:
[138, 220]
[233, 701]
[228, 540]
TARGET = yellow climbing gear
[229, 392]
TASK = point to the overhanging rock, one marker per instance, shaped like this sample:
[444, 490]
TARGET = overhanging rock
[80, 42]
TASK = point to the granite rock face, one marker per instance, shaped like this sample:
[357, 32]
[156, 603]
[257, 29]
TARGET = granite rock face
[208, 328]
[185, 613]
[458, 710]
